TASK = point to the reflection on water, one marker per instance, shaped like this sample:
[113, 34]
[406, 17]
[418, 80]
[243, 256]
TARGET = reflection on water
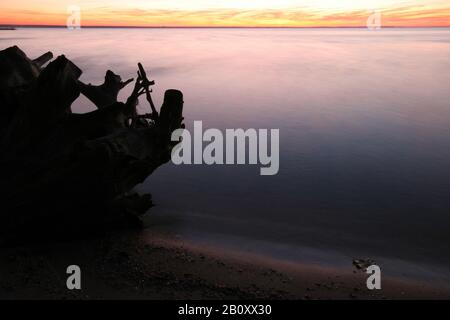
[364, 121]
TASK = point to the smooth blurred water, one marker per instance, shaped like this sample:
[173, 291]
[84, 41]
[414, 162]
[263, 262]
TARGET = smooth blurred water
[364, 119]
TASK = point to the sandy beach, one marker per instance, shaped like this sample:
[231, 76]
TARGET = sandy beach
[134, 265]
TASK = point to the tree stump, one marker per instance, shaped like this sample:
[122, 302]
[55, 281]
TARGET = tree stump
[61, 170]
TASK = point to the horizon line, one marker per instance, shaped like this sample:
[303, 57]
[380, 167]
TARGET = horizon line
[205, 27]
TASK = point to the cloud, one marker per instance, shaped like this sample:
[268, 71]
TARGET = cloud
[416, 15]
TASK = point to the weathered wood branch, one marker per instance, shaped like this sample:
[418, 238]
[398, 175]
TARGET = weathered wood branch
[106, 93]
[43, 59]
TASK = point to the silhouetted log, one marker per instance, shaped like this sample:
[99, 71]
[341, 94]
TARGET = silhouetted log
[63, 169]
[16, 68]
[106, 93]
[17, 74]
[43, 105]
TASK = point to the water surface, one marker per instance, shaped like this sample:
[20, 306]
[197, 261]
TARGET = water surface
[364, 119]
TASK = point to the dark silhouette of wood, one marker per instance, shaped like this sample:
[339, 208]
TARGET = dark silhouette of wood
[62, 170]
[40, 61]
[106, 93]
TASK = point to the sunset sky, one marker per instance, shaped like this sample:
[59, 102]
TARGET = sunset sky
[252, 13]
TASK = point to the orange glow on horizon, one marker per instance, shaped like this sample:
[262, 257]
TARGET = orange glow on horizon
[114, 15]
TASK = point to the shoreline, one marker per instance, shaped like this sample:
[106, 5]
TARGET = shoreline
[134, 265]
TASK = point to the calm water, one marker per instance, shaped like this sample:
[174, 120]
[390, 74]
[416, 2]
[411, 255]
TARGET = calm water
[364, 121]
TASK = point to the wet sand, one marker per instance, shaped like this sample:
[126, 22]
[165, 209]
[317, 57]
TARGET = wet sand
[136, 265]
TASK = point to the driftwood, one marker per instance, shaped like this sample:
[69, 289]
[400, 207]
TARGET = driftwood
[64, 169]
